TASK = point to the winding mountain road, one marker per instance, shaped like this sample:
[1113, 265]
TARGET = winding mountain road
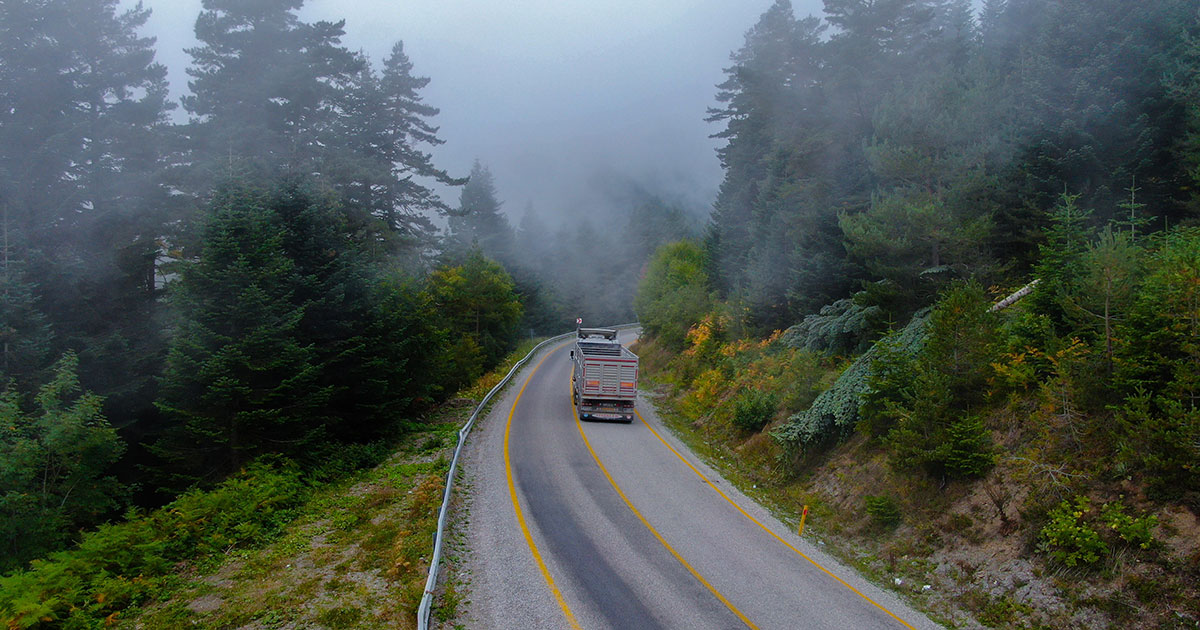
[599, 525]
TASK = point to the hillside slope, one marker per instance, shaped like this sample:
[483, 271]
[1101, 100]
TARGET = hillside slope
[1057, 526]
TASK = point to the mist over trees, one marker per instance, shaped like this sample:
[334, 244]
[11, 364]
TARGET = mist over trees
[251, 281]
[83, 144]
[271, 95]
[972, 243]
[891, 147]
[277, 275]
[272, 281]
[272, 274]
[589, 265]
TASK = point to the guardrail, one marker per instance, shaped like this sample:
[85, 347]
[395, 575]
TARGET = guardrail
[435, 563]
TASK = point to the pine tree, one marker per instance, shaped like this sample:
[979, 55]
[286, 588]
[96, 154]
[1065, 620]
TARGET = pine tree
[241, 378]
[263, 84]
[1106, 290]
[478, 221]
[408, 129]
[769, 98]
[1061, 266]
[273, 94]
[933, 413]
[25, 333]
[83, 143]
[747, 105]
[81, 100]
[1087, 90]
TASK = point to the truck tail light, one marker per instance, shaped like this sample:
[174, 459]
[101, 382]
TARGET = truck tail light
[626, 385]
[591, 383]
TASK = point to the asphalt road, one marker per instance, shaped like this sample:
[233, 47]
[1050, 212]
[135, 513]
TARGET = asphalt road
[619, 526]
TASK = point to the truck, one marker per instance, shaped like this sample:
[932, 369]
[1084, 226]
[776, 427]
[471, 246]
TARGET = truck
[604, 376]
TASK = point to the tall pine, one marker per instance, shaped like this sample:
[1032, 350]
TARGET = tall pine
[241, 379]
[478, 221]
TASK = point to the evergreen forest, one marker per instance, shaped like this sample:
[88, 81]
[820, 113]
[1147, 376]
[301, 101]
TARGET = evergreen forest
[262, 274]
[962, 238]
[951, 282]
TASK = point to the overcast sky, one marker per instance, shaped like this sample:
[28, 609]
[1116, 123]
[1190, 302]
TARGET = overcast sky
[547, 93]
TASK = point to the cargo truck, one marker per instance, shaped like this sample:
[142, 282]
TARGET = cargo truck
[604, 376]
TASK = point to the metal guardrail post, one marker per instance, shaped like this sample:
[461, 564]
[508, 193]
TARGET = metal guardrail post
[438, 539]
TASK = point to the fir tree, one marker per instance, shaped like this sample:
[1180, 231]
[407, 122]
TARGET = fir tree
[241, 378]
[478, 221]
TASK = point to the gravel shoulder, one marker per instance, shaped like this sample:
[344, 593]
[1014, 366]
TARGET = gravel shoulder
[501, 584]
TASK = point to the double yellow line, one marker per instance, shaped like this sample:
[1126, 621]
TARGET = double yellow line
[537, 555]
[558, 596]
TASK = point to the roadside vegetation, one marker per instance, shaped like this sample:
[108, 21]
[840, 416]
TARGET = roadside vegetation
[216, 333]
[1031, 467]
[947, 301]
[342, 545]
[209, 319]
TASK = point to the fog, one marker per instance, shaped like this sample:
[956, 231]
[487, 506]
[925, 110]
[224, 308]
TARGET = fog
[553, 96]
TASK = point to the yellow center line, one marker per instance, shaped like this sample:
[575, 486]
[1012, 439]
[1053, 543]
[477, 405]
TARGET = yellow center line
[766, 529]
[663, 541]
[512, 492]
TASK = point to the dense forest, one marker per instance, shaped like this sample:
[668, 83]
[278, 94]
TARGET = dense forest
[968, 244]
[268, 273]
[895, 154]
[264, 280]
[893, 147]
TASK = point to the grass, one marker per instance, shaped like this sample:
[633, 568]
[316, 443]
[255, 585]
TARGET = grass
[892, 526]
[355, 556]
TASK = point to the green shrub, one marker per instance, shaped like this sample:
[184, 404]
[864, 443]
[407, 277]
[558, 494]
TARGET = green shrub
[1159, 438]
[53, 460]
[967, 454]
[753, 409]
[1068, 538]
[1137, 531]
[883, 510]
[890, 381]
[673, 295]
[928, 396]
[125, 564]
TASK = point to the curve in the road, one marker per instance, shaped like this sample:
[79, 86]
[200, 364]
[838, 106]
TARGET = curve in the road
[613, 567]
[512, 491]
[658, 536]
[586, 566]
[816, 564]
